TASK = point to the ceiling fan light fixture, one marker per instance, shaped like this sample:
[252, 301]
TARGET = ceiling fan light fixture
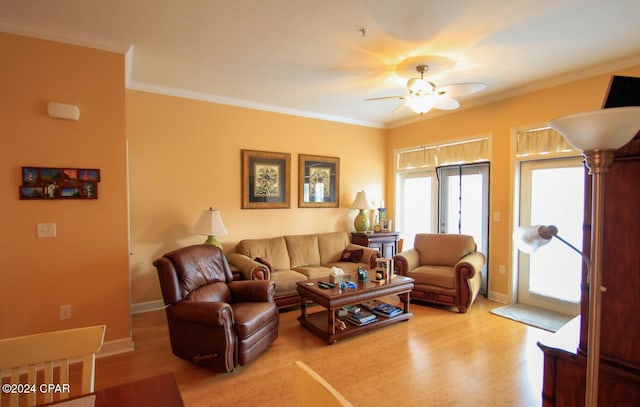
[420, 104]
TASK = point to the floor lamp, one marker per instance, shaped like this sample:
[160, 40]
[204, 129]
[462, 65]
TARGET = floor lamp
[597, 134]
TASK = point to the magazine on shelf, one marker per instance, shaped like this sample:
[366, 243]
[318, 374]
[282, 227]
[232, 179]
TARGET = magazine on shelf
[381, 308]
[387, 310]
[371, 305]
[361, 318]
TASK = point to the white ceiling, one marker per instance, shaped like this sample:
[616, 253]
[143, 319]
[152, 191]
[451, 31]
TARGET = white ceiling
[309, 57]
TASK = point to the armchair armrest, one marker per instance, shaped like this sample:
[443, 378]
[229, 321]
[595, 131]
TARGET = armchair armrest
[406, 261]
[470, 264]
[252, 290]
[249, 268]
[369, 255]
[205, 313]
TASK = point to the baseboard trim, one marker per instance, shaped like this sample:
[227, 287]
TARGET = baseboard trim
[147, 306]
[498, 297]
[115, 347]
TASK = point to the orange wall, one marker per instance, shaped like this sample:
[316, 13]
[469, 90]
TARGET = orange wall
[185, 155]
[86, 264]
[498, 120]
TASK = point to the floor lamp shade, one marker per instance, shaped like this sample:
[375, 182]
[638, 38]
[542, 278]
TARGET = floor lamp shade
[605, 129]
[210, 224]
[362, 203]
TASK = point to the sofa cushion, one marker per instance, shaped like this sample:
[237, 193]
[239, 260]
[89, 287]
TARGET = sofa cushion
[273, 249]
[443, 249]
[313, 271]
[286, 281]
[353, 256]
[347, 267]
[439, 276]
[303, 250]
[331, 246]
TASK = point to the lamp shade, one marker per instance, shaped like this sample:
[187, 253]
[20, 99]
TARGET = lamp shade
[528, 239]
[210, 224]
[605, 129]
[361, 202]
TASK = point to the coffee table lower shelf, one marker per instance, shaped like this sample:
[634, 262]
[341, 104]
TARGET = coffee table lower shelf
[317, 322]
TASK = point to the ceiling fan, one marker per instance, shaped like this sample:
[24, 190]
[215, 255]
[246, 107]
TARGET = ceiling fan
[424, 95]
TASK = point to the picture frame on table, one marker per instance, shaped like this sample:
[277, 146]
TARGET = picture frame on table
[386, 224]
[265, 180]
[318, 181]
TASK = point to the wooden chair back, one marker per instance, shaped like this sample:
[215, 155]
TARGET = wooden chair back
[311, 390]
[44, 351]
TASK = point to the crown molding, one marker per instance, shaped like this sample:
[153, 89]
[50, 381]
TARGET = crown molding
[53, 34]
[223, 100]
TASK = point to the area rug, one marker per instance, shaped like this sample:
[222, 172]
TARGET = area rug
[537, 317]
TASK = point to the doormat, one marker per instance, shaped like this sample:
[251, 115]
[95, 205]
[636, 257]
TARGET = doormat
[540, 318]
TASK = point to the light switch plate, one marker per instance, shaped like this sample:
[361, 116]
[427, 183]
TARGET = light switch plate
[46, 230]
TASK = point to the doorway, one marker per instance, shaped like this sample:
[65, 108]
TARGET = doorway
[464, 205]
[552, 193]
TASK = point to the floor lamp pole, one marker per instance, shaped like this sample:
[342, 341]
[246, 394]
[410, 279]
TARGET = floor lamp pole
[598, 163]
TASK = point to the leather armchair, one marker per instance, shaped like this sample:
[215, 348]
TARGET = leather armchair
[446, 269]
[213, 320]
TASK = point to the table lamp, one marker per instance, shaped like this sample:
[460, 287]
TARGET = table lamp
[597, 134]
[361, 221]
[210, 224]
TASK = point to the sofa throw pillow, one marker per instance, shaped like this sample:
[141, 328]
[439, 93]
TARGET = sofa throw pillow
[354, 256]
[265, 262]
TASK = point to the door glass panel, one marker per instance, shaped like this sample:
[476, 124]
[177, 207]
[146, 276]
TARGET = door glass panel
[464, 205]
[417, 207]
[552, 193]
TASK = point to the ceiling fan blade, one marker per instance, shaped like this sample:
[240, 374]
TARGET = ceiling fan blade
[387, 98]
[445, 102]
[460, 89]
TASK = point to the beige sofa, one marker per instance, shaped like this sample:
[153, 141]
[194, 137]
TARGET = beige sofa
[289, 259]
[445, 267]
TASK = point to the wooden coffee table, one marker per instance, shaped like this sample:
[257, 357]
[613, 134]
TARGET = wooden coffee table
[323, 323]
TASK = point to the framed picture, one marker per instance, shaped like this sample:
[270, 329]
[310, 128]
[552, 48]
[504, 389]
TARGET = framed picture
[89, 175]
[59, 183]
[31, 192]
[319, 181]
[265, 180]
[30, 176]
[386, 225]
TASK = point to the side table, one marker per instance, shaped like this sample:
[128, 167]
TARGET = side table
[385, 242]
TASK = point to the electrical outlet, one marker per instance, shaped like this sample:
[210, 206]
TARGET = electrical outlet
[65, 311]
[502, 270]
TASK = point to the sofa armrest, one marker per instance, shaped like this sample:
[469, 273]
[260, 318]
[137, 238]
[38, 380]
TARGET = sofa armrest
[249, 268]
[205, 313]
[369, 255]
[252, 290]
[406, 261]
[470, 265]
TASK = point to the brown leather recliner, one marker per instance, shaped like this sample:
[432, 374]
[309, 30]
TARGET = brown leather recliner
[213, 320]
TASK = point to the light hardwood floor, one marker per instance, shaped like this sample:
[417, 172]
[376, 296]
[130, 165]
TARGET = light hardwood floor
[437, 358]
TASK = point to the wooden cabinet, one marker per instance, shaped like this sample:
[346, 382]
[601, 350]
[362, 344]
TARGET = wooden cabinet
[385, 242]
[565, 354]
